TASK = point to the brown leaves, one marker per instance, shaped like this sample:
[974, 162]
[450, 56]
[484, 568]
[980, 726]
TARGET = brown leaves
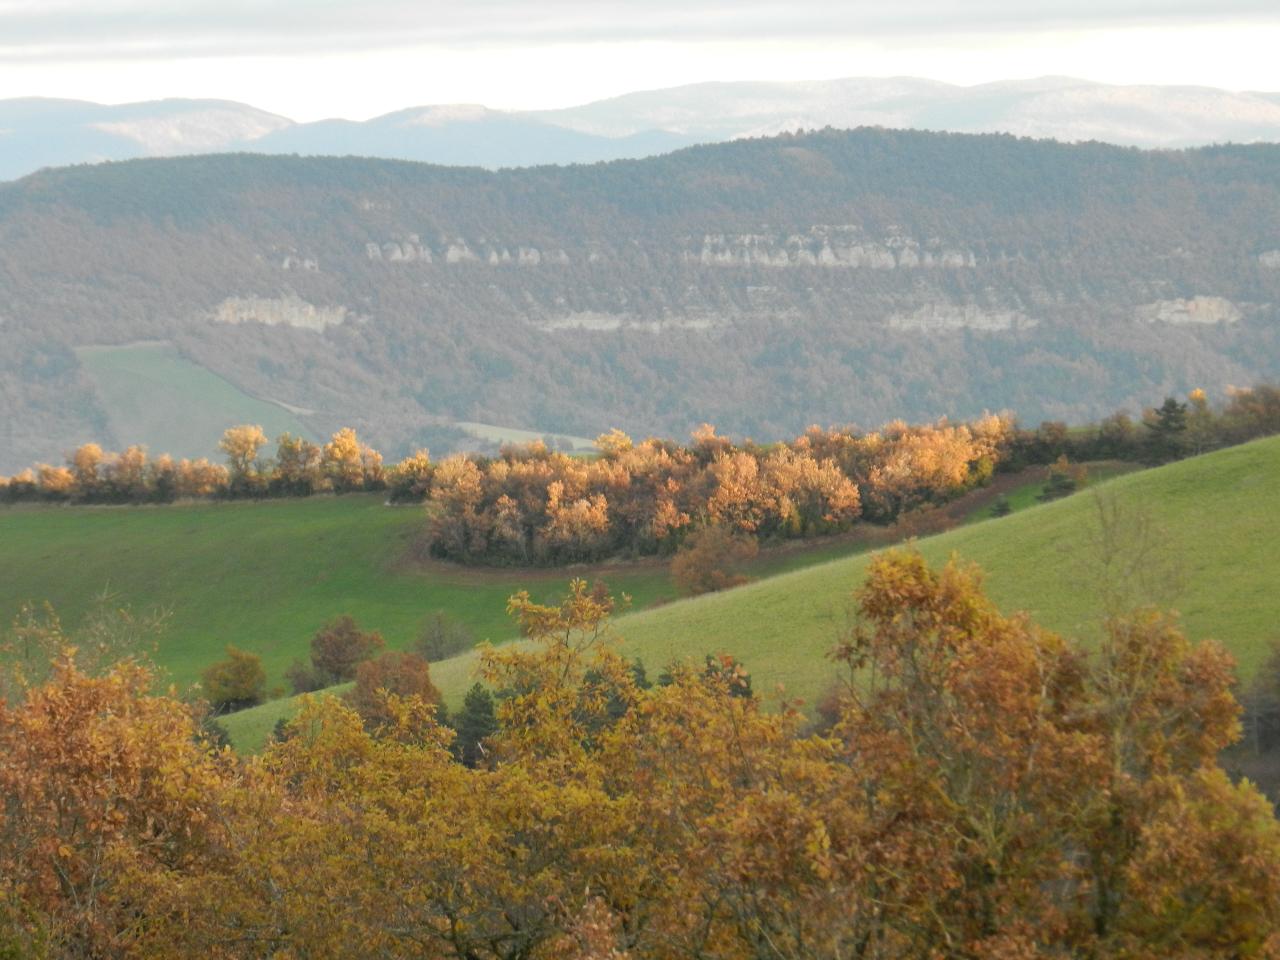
[100, 779]
[987, 791]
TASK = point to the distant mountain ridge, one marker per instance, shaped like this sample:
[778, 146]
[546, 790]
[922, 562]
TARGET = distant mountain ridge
[761, 285]
[37, 133]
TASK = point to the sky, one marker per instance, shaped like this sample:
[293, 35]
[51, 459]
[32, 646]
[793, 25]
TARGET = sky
[311, 59]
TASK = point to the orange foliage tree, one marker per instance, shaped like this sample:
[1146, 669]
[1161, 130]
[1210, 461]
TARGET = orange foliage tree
[987, 789]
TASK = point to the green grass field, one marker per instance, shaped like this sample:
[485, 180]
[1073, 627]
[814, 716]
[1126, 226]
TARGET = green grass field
[266, 575]
[154, 397]
[1023, 494]
[263, 575]
[1215, 521]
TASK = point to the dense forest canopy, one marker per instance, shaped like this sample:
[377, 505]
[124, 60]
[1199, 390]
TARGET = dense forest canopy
[835, 276]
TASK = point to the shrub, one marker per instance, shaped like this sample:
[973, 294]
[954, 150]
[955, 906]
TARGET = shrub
[340, 646]
[236, 682]
[1064, 479]
[443, 637]
[304, 678]
[712, 559]
[395, 672]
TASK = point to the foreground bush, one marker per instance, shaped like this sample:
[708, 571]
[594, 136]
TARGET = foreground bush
[986, 790]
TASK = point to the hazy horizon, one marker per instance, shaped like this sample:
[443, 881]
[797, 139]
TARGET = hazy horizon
[569, 105]
[342, 60]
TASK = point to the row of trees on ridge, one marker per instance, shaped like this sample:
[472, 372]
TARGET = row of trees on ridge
[534, 505]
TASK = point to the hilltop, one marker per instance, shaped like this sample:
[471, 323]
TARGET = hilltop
[43, 132]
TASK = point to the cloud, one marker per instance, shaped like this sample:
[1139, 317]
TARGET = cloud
[52, 30]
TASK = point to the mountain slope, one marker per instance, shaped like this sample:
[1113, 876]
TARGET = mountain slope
[761, 285]
[464, 136]
[37, 132]
[1063, 108]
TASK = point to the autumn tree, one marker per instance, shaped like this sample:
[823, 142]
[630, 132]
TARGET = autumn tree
[410, 479]
[711, 559]
[396, 673]
[457, 524]
[1252, 412]
[234, 683]
[199, 478]
[56, 483]
[1062, 479]
[739, 499]
[576, 529]
[298, 466]
[1064, 851]
[85, 463]
[241, 445]
[1115, 436]
[103, 784]
[342, 461]
[162, 479]
[125, 476]
[339, 647]
[615, 443]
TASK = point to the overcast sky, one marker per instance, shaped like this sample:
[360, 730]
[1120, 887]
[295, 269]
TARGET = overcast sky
[309, 59]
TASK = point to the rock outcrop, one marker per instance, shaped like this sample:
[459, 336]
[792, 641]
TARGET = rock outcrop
[290, 311]
[1196, 310]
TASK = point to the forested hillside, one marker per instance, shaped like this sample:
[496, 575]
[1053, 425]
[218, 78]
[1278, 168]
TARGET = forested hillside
[762, 285]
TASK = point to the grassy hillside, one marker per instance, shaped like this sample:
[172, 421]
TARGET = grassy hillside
[154, 396]
[1215, 519]
[263, 575]
[266, 575]
[1220, 520]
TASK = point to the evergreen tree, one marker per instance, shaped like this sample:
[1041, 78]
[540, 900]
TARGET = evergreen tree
[1167, 424]
[475, 722]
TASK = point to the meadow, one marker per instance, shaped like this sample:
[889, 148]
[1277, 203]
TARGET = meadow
[1207, 528]
[266, 575]
[152, 394]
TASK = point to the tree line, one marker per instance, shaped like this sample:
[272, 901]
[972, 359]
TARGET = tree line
[534, 505]
[978, 787]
